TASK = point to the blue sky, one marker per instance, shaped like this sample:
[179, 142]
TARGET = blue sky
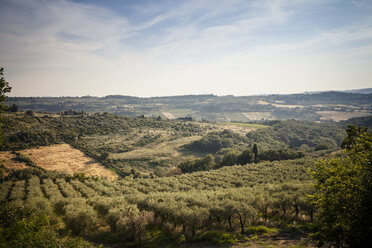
[164, 47]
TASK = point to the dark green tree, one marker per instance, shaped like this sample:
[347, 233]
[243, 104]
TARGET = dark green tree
[229, 159]
[206, 163]
[255, 152]
[245, 157]
[344, 192]
[104, 156]
[4, 88]
[13, 108]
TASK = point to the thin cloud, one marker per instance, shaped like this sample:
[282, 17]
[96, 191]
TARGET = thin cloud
[68, 48]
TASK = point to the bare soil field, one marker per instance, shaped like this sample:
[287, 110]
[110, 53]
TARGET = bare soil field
[168, 115]
[257, 116]
[341, 115]
[287, 106]
[64, 158]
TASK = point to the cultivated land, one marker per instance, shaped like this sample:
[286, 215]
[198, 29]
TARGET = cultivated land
[61, 158]
[342, 115]
[179, 183]
[64, 158]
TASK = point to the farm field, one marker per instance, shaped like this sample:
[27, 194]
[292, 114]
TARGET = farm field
[340, 115]
[64, 158]
[98, 204]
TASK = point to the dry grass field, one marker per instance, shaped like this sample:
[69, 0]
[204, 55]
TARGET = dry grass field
[61, 157]
[341, 115]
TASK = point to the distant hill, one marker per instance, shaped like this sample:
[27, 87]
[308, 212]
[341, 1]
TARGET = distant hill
[311, 106]
[359, 91]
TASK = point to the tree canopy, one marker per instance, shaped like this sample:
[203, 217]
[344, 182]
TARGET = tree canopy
[4, 87]
[344, 192]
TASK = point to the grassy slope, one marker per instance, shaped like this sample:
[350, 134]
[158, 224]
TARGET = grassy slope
[141, 143]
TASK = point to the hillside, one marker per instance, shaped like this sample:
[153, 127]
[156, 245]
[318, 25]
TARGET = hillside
[322, 106]
[147, 146]
[180, 182]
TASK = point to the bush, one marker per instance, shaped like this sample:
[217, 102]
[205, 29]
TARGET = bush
[20, 227]
[321, 147]
[344, 192]
[245, 157]
[280, 154]
[213, 142]
[132, 223]
[193, 165]
[258, 230]
[80, 218]
[19, 157]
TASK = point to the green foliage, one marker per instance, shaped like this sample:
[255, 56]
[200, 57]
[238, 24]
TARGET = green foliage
[13, 108]
[80, 176]
[25, 139]
[216, 237]
[344, 192]
[194, 206]
[229, 159]
[280, 154]
[104, 156]
[20, 227]
[132, 223]
[257, 230]
[23, 158]
[204, 164]
[214, 141]
[79, 217]
[291, 133]
[255, 152]
[4, 88]
[245, 157]
[321, 147]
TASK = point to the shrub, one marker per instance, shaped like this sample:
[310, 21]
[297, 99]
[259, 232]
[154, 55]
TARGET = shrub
[79, 218]
[280, 154]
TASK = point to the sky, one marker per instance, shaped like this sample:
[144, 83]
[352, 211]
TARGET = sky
[166, 47]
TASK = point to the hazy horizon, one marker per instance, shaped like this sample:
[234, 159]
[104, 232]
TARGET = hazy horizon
[169, 48]
[263, 94]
